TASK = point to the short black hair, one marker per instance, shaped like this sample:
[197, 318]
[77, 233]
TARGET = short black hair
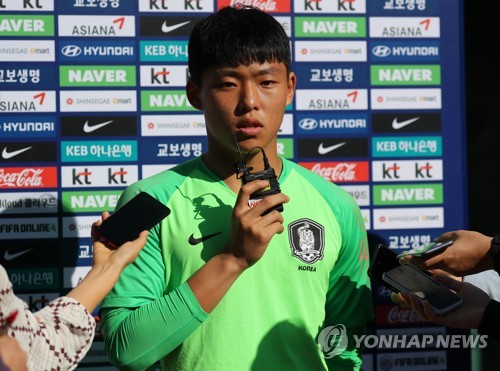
[234, 36]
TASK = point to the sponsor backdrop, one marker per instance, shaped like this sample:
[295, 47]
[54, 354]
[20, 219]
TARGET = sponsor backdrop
[92, 99]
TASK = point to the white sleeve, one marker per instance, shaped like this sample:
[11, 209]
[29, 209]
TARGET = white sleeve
[56, 337]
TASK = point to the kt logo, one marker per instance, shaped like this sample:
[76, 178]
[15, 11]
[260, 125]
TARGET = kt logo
[26, 4]
[342, 5]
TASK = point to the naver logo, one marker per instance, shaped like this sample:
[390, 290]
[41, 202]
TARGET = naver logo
[27, 25]
[97, 76]
[165, 100]
[89, 201]
[330, 27]
[405, 75]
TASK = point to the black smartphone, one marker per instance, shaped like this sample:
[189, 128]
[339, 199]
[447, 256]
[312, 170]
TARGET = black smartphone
[141, 213]
[384, 259]
[407, 278]
[427, 249]
[385, 268]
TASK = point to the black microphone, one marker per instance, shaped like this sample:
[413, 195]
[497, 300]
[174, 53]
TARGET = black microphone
[243, 173]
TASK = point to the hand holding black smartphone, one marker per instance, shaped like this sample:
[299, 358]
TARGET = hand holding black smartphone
[407, 278]
[141, 213]
[427, 249]
[385, 268]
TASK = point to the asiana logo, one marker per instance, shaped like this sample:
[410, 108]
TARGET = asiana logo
[306, 240]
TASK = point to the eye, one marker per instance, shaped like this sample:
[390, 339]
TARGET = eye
[268, 83]
[224, 84]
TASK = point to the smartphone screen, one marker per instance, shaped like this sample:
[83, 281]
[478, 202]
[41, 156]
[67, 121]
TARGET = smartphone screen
[407, 278]
[427, 249]
[141, 213]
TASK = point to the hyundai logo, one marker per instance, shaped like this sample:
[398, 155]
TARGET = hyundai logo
[381, 51]
[71, 51]
[308, 124]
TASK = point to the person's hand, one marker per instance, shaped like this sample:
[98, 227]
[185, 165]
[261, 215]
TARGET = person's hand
[467, 316]
[403, 302]
[106, 253]
[469, 254]
[107, 265]
[250, 231]
[12, 357]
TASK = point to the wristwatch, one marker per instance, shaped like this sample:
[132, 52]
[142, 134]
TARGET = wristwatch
[495, 252]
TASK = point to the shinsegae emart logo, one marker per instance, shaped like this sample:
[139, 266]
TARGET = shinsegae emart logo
[27, 50]
[98, 100]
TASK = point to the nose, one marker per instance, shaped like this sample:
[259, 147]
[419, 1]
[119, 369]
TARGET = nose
[247, 101]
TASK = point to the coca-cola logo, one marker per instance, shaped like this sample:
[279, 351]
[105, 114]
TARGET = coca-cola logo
[387, 315]
[267, 5]
[273, 6]
[353, 171]
[28, 177]
[342, 172]
[403, 315]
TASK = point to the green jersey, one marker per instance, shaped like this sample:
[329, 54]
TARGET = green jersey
[312, 276]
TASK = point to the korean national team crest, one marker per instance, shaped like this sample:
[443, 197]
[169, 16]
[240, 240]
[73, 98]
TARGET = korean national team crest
[306, 240]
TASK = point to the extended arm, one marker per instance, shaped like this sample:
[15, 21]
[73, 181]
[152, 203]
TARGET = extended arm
[107, 266]
[478, 311]
[469, 254]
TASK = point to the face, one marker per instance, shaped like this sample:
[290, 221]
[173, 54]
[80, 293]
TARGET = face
[247, 102]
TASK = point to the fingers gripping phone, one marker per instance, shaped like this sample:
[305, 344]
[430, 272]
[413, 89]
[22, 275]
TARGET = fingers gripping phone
[141, 213]
[427, 249]
[407, 278]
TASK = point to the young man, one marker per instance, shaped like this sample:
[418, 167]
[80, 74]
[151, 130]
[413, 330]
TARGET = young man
[221, 285]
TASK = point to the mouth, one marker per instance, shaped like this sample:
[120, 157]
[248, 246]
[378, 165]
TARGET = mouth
[249, 128]
[248, 124]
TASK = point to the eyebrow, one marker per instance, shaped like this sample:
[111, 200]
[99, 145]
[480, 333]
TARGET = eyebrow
[227, 71]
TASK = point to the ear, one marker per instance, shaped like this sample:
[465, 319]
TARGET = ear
[193, 94]
[292, 83]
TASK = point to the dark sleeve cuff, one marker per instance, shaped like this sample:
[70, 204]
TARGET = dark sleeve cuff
[495, 252]
[490, 323]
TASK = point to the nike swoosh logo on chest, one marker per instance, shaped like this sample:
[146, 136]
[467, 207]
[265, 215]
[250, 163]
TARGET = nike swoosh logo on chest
[195, 241]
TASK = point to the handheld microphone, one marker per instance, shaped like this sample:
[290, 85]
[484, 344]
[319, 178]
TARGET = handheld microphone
[243, 173]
